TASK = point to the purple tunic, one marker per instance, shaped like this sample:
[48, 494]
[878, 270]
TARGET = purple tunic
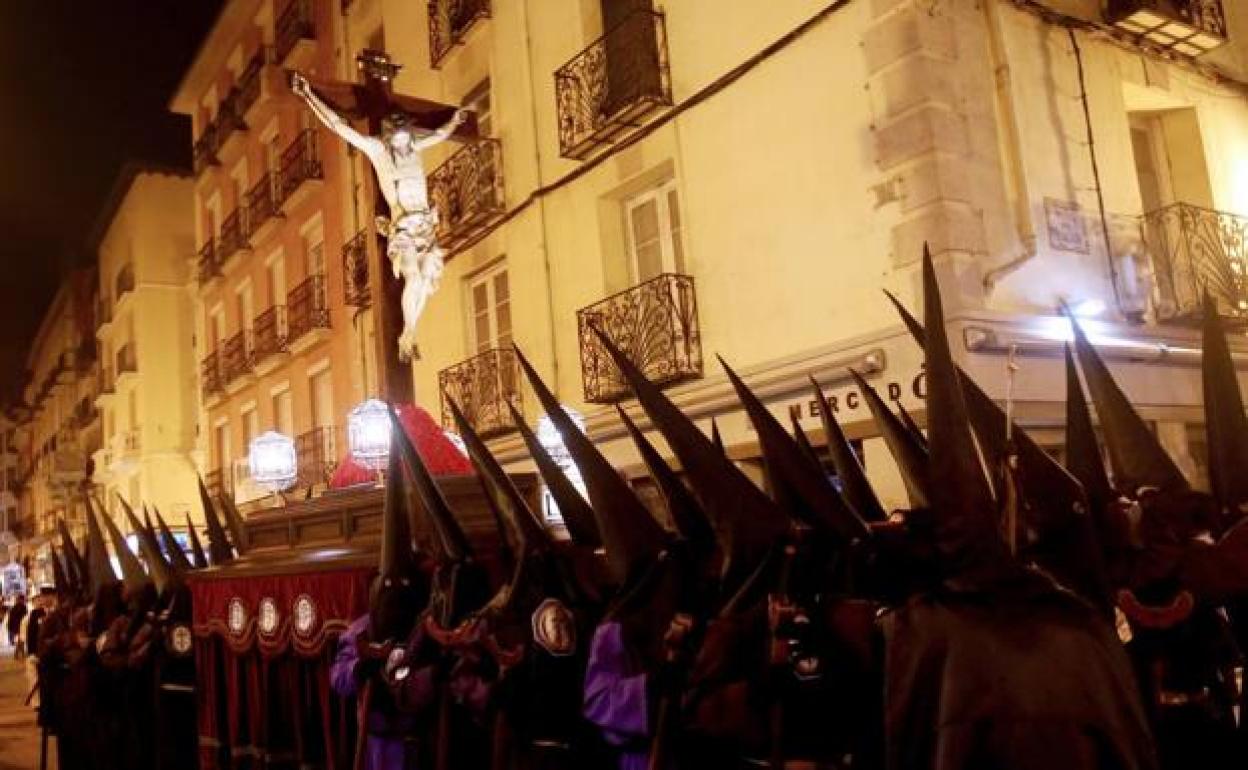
[386, 749]
[616, 698]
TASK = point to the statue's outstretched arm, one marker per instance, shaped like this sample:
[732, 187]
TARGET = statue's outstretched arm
[332, 120]
[444, 132]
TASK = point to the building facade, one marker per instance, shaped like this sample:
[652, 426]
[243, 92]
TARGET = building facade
[145, 332]
[57, 427]
[743, 178]
[278, 346]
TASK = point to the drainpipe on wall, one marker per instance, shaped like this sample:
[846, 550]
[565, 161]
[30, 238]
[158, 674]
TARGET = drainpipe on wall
[541, 201]
[1011, 148]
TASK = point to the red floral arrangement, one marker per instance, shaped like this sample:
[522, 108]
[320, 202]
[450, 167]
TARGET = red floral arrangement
[441, 456]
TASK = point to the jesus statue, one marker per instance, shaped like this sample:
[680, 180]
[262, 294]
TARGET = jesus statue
[409, 230]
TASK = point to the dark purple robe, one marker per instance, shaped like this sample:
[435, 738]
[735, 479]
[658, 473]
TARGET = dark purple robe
[391, 733]
[617, 697]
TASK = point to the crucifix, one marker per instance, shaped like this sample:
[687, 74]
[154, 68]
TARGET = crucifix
[397, 129]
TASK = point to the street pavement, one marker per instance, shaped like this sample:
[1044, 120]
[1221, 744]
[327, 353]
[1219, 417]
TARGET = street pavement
[19, 735]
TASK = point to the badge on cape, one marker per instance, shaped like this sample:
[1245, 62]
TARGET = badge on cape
[179, 640]
[554, 629]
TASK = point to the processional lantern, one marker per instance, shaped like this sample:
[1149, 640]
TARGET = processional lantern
[368, 435]
[273, 462]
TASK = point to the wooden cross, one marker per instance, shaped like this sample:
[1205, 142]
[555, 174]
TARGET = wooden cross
[372, 101]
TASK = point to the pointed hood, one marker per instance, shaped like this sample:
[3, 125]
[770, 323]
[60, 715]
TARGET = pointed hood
[630, 534]
[499, 489]
[855, 487]
[808, 449]
[177, 557]
[59, 578]
[577, 516]
[1136, 456]
[801, 484]
[746, 521]
[234, 523]
[716, 438]
[157, 568]
[964, 512]
[100, 568]
[448, 534]
[683, 508]
[911, 426]
[197, 549]
[1226, 427]
[911, 457]
[132, 573]
[76, 565]
[392, 608]
[1083, 453]
[219, 550]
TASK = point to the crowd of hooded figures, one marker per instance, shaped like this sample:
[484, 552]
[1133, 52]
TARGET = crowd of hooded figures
[1021, 613]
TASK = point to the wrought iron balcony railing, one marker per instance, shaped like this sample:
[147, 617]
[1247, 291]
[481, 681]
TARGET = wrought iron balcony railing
[124, 282]
[211, 374]
[482, 386]
[126, 361]
[301, 161]
[208, 264]
[449, 22]
[467, 192]
[236, 356]
[132, 441]
[355, 270]
[294, 24]
[204, 151]
[270, 332]
[655, 323]
[1194, 250]
[249, 84]
[317, 454]
[229, 118]
[306, 308]
[262, 203]
[608, 87]
[233, 235]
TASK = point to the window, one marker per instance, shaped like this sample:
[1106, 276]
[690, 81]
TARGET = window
[478, 100]
[246, 307]
[314, 250]
[238, 178]
[322, 387]
[283, 413]
[212, 218]
[251, 424]
[277, 279]
[216, 325]
[273, 157]
[489, 297]
[221, 446]
[653, 232]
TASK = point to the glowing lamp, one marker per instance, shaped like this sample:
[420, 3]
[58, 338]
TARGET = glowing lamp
[1184, 26]
[552, 441]
[368, 434]
[1088, 308]
[273, 461]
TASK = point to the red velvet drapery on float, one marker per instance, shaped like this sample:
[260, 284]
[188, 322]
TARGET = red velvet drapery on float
[263, 648]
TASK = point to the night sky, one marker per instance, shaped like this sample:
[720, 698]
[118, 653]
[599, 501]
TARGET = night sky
[84, 86]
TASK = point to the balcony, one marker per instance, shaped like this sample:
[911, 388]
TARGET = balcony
[230, 121]
[606, 89]
[317, 455]
[204, 151]
[656, 325]
[127, 363]
[1190, 27]
[1194, 250]
[209, 266]
[301, 162]
[249, 85]
[236, 358]
[124, 283]
[211, 375]
[104, 383]
[270, 333]
[467, 192]
[355, 286]
[233, 236]
[307, 311]
[103, 312]
[482, 386]
[262, 206]
[449, 23]
[294, 34]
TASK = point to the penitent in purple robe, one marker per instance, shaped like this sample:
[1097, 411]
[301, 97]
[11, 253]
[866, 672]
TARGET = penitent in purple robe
[616, 696]
[391, 733]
